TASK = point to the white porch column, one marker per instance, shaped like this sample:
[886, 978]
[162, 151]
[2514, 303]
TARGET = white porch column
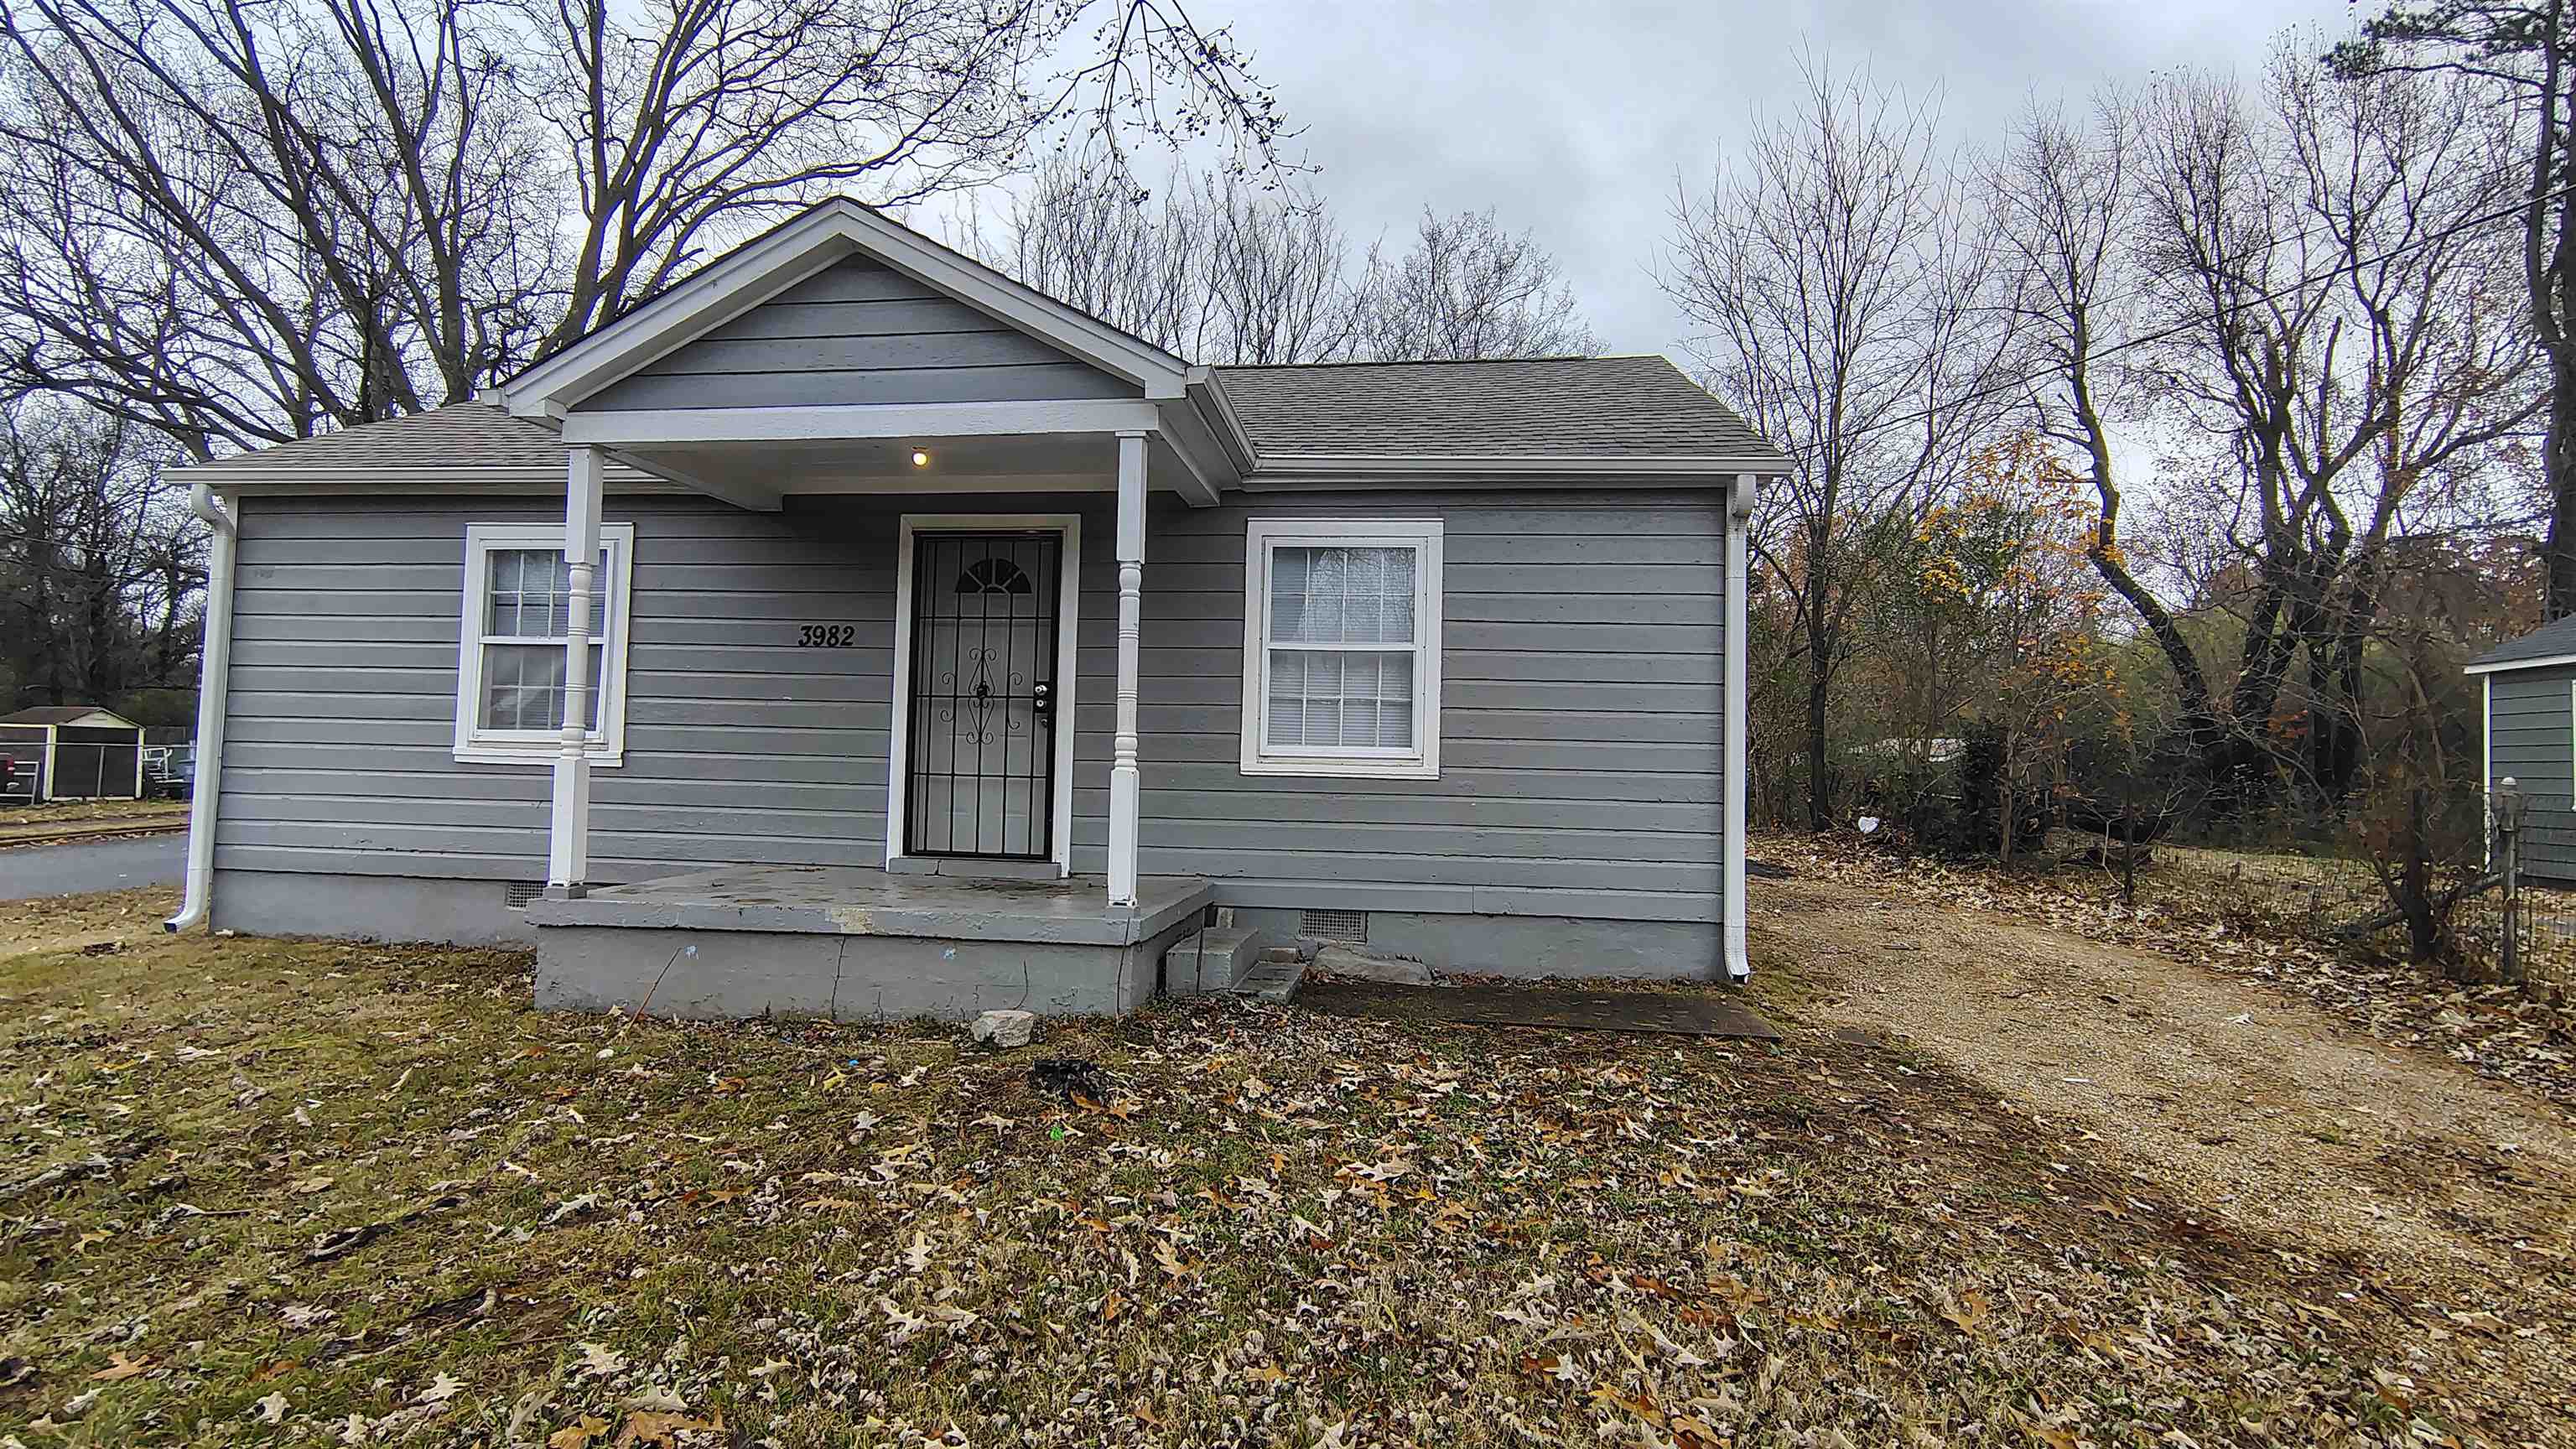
[568, 848]
[1737, 666]
[1124, 782]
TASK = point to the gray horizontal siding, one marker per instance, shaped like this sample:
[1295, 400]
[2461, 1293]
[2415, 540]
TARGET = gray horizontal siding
[859, 332]
[1581, 720]
[741, 748]
[2532, 737]
[1581, 717]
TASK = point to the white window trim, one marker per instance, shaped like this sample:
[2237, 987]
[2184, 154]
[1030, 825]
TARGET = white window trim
[1261, 535]
[479, 746]
[1067, 663]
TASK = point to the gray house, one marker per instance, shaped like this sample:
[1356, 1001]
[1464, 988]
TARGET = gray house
[2529, 686]
[932, 646]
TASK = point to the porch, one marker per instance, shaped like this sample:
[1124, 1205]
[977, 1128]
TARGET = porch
[857, 944]
[842, 355]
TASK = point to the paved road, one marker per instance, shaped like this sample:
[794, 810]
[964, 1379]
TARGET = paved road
[98, 865]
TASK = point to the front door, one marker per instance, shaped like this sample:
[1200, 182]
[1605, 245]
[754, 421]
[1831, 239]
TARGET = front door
[980, 771]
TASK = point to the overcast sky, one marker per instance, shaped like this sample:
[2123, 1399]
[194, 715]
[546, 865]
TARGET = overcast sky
[1571, 117]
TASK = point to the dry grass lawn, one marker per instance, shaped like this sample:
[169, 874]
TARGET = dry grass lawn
[60, 819]
[261, 1192]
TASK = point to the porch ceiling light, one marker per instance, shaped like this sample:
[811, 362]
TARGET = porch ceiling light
[920, 459]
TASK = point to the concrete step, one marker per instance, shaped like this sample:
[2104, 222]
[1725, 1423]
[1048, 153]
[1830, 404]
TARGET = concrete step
[1235, 960]
[1273, 975]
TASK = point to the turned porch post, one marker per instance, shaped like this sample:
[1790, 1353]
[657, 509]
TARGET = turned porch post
[1124, 782]
[568, 844]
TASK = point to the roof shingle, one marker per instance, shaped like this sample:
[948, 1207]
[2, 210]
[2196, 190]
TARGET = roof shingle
[2549, 641]
[466, 435]
[1557, 407]
[1553, 407]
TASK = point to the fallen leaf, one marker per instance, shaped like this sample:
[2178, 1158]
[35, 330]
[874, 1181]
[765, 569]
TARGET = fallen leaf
[442, 1388]
[579, 1434]
[122, 1367]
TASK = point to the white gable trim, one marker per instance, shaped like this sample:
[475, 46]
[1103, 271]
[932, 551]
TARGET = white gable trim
[762, 269]
[2506, 666]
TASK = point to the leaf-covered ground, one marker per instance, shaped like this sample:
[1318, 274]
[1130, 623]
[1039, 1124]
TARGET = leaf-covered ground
[2498, 1031]
[269, 1192]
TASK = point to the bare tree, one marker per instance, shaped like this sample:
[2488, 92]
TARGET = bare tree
[2303, 298]
[98, 569]
[2527, 51]
[1844, 276]
[1213, 268]
[1468, 289]
[2344, 344]
[2068, 196]
[240, 223]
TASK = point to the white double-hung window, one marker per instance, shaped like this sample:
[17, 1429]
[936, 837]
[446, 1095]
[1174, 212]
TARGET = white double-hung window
[510, 663]
[1341, 646]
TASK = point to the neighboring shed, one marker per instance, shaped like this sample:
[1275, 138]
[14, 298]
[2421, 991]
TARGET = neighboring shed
[72, 752]
[2529, 687]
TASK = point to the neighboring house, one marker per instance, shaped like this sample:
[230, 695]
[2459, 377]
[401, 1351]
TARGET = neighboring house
[72, 752]
[2529, 686]
[893, 576]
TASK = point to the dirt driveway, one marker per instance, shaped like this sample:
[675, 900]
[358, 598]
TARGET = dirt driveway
[2444, 1196]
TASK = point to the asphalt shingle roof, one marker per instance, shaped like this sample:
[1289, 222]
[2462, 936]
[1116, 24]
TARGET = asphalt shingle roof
[1571, 407]
[1557, 407]
[2549, 641]
[459, 435]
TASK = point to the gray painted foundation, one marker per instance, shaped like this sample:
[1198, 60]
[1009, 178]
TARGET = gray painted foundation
[369, 908]
[911, 949]
[1531, 947]
[857, 945]
[715, 974]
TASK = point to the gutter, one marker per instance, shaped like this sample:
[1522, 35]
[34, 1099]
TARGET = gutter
[214, 677]
[1738, 669]
[2508, 666]
[1284, 466]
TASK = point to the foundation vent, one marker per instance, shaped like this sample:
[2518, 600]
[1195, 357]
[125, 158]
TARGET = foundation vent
[519, 892]
[1349, 926]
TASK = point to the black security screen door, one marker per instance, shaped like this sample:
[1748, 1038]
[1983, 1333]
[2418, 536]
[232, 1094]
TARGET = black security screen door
[981, 772]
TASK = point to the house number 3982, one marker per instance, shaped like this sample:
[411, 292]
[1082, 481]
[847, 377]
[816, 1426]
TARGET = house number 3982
[827, 636]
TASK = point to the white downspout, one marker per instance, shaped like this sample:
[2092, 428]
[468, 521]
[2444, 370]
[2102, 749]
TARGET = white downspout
[214, 676]
[1737, 666]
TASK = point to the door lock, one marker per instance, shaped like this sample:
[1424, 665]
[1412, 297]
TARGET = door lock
[1041, 699]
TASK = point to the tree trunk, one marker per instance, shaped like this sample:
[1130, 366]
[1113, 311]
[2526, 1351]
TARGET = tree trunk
[1820, 772]
[2559, 467]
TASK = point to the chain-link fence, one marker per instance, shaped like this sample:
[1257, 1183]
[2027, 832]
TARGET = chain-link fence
[2504, 911]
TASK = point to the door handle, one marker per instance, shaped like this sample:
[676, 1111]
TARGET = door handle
[1041, 700]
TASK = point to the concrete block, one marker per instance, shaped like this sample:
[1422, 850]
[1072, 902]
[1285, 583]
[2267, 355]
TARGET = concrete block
[1006, 1029]
[1214, 959]
[1358, 963]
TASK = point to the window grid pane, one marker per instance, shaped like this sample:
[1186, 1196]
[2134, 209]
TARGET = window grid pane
[1342, 595]
[1341, 699]
[529, 595]
[523, 686]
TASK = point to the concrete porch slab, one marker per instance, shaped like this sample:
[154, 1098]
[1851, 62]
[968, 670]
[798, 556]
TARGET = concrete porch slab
[848, 945]
[839, 901]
